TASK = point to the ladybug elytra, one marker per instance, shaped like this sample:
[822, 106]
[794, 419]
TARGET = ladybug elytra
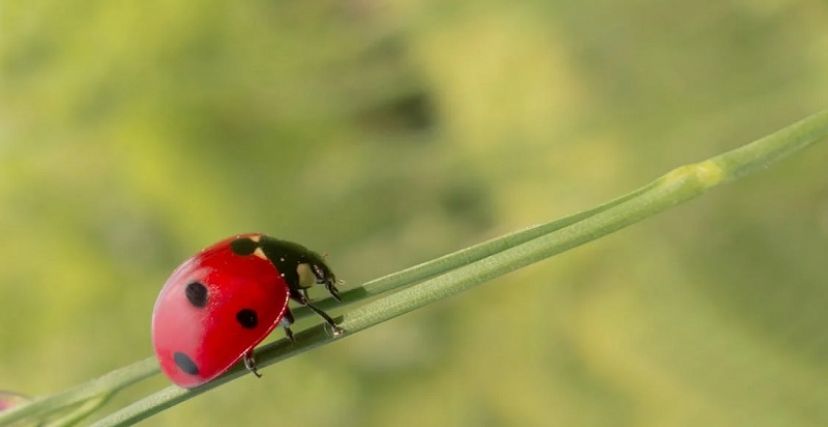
[219, 304]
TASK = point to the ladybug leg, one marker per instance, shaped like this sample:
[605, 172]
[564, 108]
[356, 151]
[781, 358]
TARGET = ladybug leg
[289, 334]
[286, 321]
[250, 364]
[302, 299]
[331, 287]
[336, 329]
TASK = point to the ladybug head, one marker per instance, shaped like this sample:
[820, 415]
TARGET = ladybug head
[314, 271]
[300, 266]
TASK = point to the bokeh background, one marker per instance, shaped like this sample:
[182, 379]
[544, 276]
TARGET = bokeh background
[387, 133]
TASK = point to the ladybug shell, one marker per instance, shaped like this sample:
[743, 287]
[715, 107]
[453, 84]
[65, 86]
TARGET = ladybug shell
[214, 308]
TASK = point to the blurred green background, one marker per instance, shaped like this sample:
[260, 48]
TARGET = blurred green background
[387, 133]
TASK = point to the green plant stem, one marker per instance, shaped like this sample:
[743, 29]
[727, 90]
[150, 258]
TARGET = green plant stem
[694, 179]
[437, 266]
[679, 185]
[105, 384]
[81, 412]
[131, 374]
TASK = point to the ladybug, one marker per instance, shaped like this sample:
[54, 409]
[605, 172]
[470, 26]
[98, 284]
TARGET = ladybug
[9, 400]
[219, 304]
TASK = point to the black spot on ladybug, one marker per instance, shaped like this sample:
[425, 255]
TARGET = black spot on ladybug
[247, 318]
[196, 294]
[185, 363]
[243, 246]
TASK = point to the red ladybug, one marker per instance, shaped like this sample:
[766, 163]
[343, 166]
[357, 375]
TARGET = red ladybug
[218, 305]
[9, 400]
